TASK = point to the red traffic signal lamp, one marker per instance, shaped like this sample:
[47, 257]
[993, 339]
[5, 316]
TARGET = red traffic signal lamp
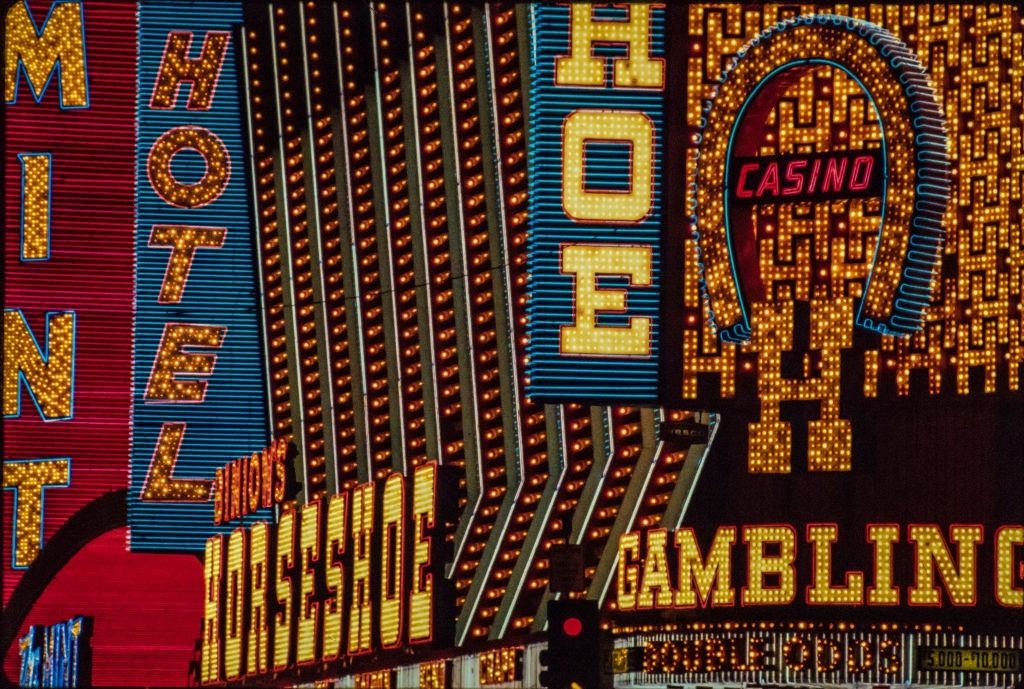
[573, 656]
[573, 626]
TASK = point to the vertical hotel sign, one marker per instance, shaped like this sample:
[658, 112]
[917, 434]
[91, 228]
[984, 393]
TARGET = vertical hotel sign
[67, 266]
[597, 77]
[199, 398]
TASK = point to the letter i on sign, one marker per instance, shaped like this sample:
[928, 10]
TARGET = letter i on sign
[36, 185]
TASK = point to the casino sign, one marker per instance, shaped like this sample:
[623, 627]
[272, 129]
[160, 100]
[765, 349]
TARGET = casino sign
[914, 186]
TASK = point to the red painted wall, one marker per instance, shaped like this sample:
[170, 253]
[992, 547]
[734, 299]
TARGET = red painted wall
[146, 609]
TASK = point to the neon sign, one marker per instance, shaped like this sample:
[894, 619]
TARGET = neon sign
[596, 155]
[944, 568]
[199, 399]
[56, 655]
[791, 179]
[898, 159]
[67, 298]
[376, 548]
[777, 653]
[816, 653]
[251, 482]
[916, 187]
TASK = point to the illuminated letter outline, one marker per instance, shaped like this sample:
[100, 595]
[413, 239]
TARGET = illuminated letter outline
[401, 554]
[309, 618]
[234, 617]
[183, 187]
[57, 65]
[422, 569]
[191, 376]
[49, 205]
[155, 243]
[620, 63]
[191, 82]
[22, 380]
[155, 461]
[211, 646]
[579, 198]
[42, 506]
[909, 237]
[1008, 596]
[283, 620]
[634, 323]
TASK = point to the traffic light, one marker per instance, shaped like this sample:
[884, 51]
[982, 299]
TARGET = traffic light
[573, 656]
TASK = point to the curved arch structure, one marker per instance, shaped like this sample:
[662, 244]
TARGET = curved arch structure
[103, 514]
[914, 150]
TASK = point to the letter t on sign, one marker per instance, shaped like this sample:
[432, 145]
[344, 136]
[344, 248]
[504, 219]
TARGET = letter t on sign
[29, 478]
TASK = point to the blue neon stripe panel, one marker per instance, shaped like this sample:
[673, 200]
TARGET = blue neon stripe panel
[553, 376]
[221, 290]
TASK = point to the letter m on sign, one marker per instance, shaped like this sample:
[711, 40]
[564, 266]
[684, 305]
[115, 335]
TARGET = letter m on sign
[59, 46]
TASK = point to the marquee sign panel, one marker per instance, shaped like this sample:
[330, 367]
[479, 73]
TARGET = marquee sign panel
[821, 655]
[596, 159]
[200, 395]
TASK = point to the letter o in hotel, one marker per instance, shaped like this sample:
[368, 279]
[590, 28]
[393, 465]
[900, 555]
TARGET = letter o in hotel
[914, 153]
[213, 182]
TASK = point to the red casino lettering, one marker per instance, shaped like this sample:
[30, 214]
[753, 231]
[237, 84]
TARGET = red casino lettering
[801, 178]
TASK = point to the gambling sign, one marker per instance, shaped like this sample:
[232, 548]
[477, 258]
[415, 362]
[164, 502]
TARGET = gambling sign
[863, 468]
[770, 574]
[843, 296]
